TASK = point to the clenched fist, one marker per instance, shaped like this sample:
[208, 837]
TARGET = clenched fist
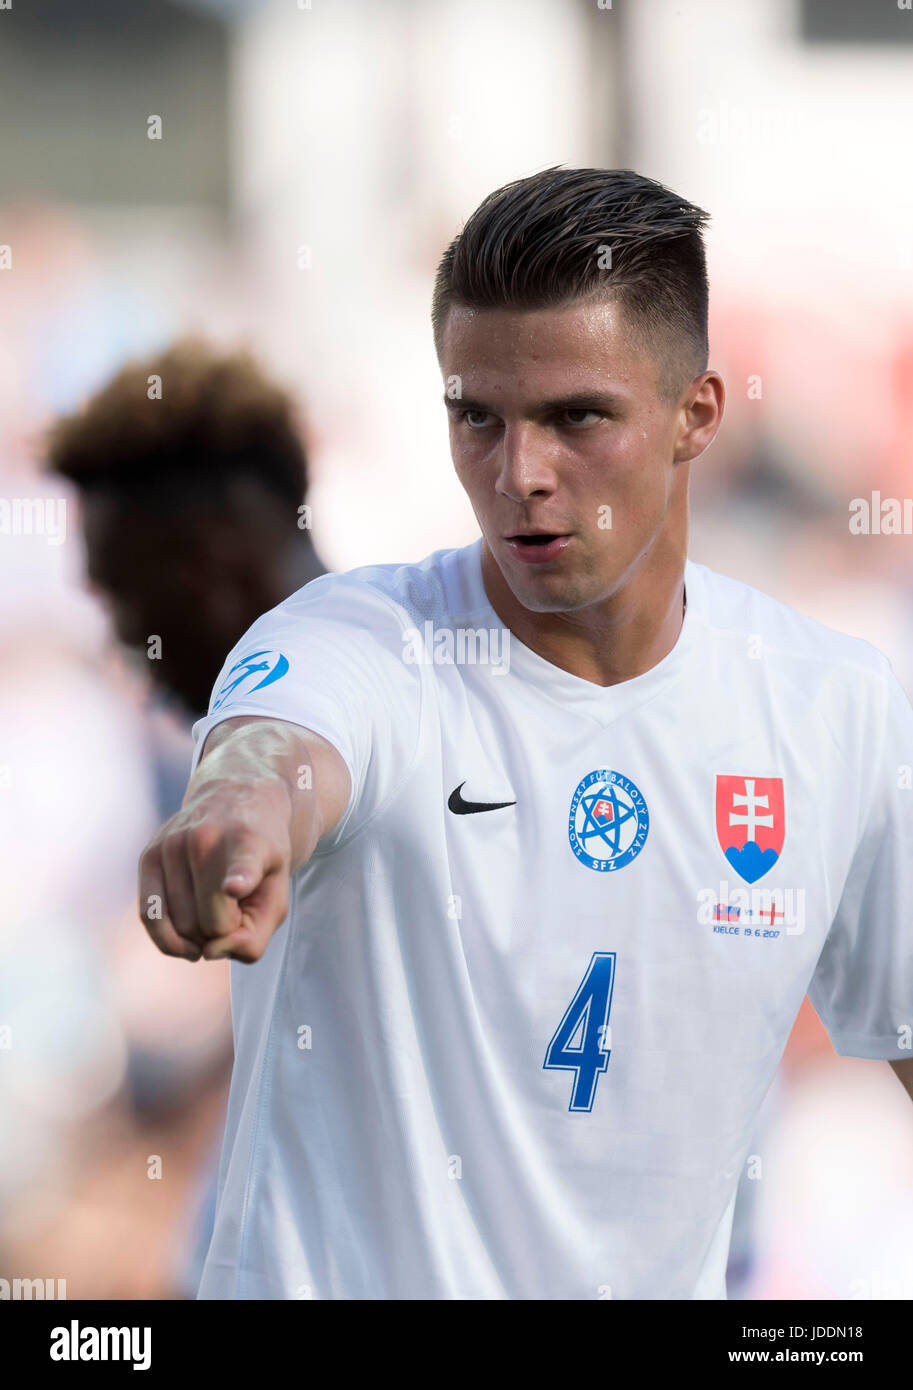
[214, 881]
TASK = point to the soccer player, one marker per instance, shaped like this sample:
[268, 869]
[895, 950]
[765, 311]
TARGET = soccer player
[191, 500]
[526, 855]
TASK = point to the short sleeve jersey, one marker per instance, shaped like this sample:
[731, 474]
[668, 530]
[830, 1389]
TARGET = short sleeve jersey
[512, 1037]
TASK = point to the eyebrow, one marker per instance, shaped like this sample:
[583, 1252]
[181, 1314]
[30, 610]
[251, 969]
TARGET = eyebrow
[577, 400]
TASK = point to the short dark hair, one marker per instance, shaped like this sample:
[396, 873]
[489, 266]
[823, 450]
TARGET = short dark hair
[219, 419]
[541, 243]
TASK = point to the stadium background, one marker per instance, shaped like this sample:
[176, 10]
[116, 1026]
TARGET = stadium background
[315, 160]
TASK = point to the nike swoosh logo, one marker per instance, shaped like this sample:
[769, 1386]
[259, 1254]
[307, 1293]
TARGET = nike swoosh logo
[459, 807]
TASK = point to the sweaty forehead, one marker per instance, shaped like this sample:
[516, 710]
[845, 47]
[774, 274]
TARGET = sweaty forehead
[582, 343]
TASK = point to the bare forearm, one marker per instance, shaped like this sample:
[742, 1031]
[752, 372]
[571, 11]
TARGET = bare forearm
[272, 769]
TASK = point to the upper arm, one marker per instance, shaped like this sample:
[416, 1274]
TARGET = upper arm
[330, 662]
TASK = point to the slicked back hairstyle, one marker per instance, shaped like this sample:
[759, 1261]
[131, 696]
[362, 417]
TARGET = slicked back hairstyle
[219, 419]
[567, 235]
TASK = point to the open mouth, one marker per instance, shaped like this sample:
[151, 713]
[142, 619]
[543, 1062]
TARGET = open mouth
[538, 548]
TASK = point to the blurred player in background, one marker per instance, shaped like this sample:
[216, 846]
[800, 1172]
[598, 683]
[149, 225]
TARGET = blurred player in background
[192, 477]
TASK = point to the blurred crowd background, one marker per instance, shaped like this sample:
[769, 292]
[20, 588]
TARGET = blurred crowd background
[309, 164]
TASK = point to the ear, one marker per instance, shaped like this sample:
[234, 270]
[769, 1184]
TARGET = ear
[700, 415]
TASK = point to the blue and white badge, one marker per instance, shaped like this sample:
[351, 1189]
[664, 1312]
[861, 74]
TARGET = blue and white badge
[251, 673]
[609, 821]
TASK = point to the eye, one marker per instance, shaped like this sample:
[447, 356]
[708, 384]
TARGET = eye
[476, 424]
[579, 417]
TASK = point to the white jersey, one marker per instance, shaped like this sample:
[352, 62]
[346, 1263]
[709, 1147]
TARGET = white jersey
[512, 1037]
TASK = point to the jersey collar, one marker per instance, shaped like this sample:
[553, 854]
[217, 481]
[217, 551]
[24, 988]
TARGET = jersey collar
[603, 703]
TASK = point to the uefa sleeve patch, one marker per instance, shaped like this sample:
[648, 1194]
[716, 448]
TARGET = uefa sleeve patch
[252, 673]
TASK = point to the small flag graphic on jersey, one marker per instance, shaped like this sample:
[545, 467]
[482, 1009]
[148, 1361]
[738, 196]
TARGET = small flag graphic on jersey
[750, 823]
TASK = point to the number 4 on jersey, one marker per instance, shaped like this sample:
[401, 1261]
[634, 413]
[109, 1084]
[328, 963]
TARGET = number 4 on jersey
[579, 1042]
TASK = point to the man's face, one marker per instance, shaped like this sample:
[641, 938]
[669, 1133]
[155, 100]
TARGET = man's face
[559, 431]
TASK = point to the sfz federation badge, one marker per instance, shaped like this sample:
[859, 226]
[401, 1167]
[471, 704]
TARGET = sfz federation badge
[608, 822]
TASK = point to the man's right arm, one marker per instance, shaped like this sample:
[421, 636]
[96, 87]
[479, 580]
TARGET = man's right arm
[214, 881]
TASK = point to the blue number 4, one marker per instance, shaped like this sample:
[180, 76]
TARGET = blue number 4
[579, 1042]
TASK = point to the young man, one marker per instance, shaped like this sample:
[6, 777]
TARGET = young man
[537, 845]
[192, 500]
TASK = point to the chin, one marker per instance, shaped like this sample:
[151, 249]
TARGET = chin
[554, 594]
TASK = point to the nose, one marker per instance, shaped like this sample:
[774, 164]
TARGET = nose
[524, 470]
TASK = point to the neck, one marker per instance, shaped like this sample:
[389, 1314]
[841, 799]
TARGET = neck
[623, 635]
[296, 565]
